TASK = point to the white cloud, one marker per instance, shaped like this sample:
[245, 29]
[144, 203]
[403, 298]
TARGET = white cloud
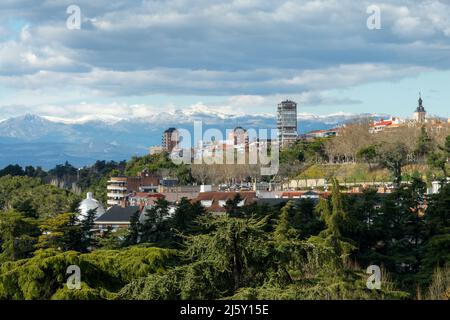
[248, 51]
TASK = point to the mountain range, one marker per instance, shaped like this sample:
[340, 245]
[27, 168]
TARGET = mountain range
[45, 141]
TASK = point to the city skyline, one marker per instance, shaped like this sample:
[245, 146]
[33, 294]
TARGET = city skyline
[318, 53]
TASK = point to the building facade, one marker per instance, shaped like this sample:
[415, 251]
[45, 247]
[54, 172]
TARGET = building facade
[119, 188]
[287, 123]
[170, 139]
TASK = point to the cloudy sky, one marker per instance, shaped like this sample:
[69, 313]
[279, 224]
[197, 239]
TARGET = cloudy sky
[137, 58]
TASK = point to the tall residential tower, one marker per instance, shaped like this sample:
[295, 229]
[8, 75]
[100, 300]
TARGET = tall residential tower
[287, 123]
[170, 139]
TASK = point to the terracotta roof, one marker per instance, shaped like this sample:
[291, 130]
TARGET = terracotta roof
[147, 195]
[176, 196]
[217, 199]
[294, 194]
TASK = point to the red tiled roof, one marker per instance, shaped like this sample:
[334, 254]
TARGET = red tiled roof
[147, 195]
[216, 196]
[293, 194]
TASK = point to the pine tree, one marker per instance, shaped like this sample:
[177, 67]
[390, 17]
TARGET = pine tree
[87, 232]
[424, 143]
[335, 217]
[132, 236]
[155, 226]
[284, 231]
[232, 206]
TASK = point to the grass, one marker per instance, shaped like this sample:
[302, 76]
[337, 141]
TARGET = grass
[360, 172]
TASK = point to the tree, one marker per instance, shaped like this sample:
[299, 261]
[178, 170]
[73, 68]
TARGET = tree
[367, 154]
[60, 233]
[424, 143]
[111, 239]
[132, 236]
[185, 216]
[438, 160]
[232, 206]
[234, 250]
[393, 157]
[87, 230]
[12, 170]
[155, 226]
[26, 207]
[284, 230]
[335, 217]
[305, 219]
[17, 236]
[437, 220]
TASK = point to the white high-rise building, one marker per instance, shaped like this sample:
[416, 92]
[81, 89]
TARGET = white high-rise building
[287, 123]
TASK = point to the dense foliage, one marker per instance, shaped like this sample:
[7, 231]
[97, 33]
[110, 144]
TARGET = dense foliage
[301, 249]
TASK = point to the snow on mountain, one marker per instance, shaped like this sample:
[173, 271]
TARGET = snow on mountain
[47, 141]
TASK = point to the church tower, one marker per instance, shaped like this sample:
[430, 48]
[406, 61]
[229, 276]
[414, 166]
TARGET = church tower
[420, 113]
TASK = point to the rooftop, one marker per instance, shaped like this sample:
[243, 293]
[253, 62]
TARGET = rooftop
[118, 214]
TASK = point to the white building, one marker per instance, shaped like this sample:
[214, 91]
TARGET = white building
[117, 190]
[90, 204]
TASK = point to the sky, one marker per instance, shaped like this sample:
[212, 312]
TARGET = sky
[139, 58]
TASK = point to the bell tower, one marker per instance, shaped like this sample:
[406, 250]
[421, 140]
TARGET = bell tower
[420, 113]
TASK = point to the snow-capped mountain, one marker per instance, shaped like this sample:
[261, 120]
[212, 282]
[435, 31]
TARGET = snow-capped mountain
[47, 141]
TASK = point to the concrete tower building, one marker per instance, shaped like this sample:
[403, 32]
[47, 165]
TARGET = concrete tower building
[287, 123]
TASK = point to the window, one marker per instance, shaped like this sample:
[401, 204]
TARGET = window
[206, 203]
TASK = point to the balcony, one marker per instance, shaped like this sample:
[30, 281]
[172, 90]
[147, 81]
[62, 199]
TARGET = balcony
[115, 195]
[116, 187]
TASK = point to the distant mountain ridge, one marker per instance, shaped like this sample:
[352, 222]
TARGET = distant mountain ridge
[45, 141]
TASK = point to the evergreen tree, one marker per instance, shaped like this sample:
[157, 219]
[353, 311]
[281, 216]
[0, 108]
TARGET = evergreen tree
[335, 218]
[155, 227]
[232, 207]
[59, 232]
[437, 220]
[132, 236]
[438, 160]
[368, 155]
[305, 219]
[424, 143]
[18, 236]
[87, 230]
[284, 231]
[26, 207]
[393, 157]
